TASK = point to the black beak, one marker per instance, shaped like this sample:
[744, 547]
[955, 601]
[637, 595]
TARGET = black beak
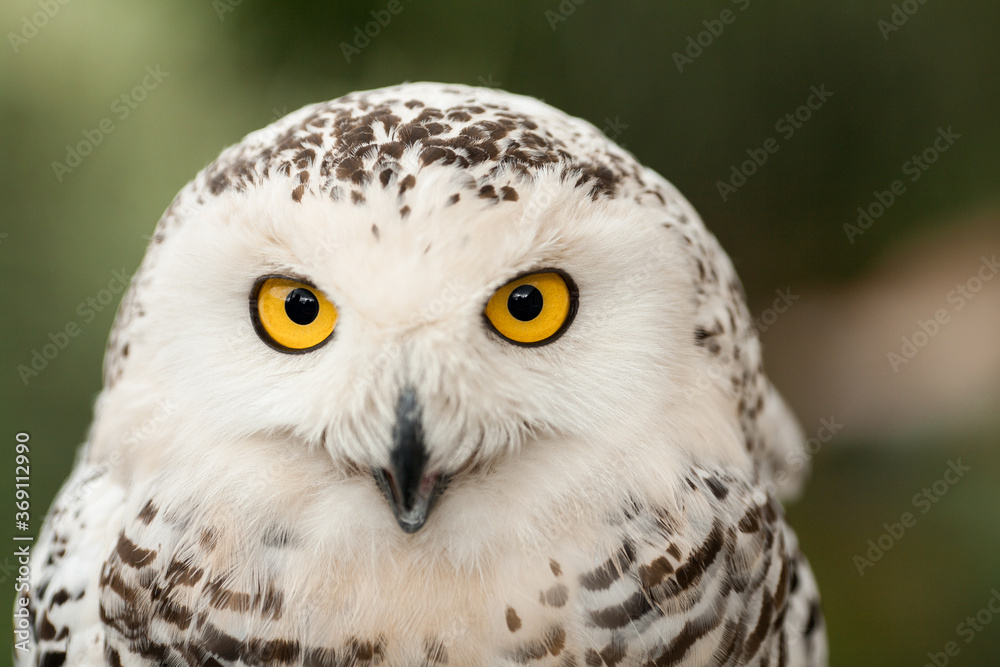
[411, 493]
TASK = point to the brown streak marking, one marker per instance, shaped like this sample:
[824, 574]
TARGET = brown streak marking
[652, 574]
[131, 554]
[435, 652]
[225, 598]
[406, 183]
[175, 614]
[620, 615]
[614, 652]
[763, 623]
[180, 573]
[148, 512]
[698, 562]
[678, 647]
[513, 620]
[208, 539]
[603, 576]
[45, 628]
[552, 643]
[557, 595]
[273, 651]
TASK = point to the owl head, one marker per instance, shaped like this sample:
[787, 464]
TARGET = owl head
[430, 287]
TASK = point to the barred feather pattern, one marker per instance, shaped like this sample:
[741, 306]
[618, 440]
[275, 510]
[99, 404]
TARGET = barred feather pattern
[717, 579]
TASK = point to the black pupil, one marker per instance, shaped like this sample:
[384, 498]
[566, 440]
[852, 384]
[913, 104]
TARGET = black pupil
[525, 303]
[301, 306]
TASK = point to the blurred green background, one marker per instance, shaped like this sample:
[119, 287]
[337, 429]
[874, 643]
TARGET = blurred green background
[226, 67]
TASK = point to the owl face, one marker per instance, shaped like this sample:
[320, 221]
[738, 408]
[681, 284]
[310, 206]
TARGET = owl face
[418, 326]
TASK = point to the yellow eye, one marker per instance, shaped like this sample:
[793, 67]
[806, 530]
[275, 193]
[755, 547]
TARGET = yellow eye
[291, 316]
[534, 309]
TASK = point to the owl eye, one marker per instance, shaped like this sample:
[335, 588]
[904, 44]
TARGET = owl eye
[289, 315]
[534, 309]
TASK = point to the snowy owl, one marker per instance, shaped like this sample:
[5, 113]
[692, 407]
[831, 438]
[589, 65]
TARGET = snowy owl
[429, 375]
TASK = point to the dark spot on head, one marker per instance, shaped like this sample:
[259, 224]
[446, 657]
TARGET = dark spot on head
[218, 182]
[393, 149]
[406, 183]
[433, 153]
[508, 193]
[375, 232]
[411, 133]
[305, 158]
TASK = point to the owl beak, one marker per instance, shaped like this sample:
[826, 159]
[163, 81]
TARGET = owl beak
[410, 490]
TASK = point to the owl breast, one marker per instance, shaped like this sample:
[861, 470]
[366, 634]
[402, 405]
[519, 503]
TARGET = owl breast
[716, 580]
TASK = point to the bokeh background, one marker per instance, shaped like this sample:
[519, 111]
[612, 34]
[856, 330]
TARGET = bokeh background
[209, 71]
